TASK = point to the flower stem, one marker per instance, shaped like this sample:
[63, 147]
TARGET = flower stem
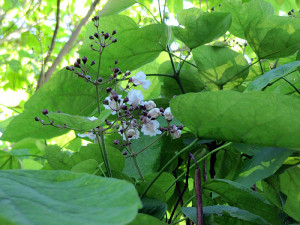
[167, 164]
[198, 161]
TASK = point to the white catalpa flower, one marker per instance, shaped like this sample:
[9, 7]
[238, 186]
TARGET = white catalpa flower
[176, 134]
[151, 127]
[135, 98]
[93, 118]
[140, 79]
[149, 105]
[132, 131]
[168, 115]
[112, 104]
[154, 113]
[89, 135]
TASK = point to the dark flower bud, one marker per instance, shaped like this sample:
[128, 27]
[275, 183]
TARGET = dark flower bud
[93, 63]
[114, 40]
[212, 9]
[106, 35]
[162, 129]
[129, 136]
[289, 13]
[80, 74]
[105, 102]
[220, 5]
[131, 108]
[149, 116]
[127, 123]
[161, 110]
[116, 142]
[130, 80]
[45, 111]
[58, 111]
[114, 32]
[127, 112]
[88, 77]
[108, 89]
[72, 68]
[145, 113]
[91, 37]
[143, 107]
[121, 131]
[100, 79]
[84, 59]
[107, 122]
[96, 18]
[115, 97]
[124, 107]
[180, 127]
[78, 60]
[292, 10]
[96, 35]
[120, 72]
[134, 85]
[127, 86]
[116, 62]
[245, 44]
[36, 118]
[124, 153]
[117, 69]
[68, 68]
[126, 99]
[115, 75]
[76, 64]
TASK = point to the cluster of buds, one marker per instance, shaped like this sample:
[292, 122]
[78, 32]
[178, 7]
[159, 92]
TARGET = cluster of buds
[50, 123]
[101, 38]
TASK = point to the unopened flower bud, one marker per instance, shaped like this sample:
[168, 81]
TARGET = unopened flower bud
[116, 142]
[88, 77]
[100, 79]
[124, 107]
[78, 60]
[76, 64]
[106, 35]
[114, 40]
[162, 129]
[96, 18]
[212, 9]
[96, 35]
[91, 37]
[131, 108]
[84, 59]
[121, 131]
[45, 111]
[115, 97]
[161, 110]
[108, 89]
[117, 69]
[180, 127]
[130, 80]
[93, 63]
[124, 153]
[36, 118]
[116, 62]
[126, 99]
[68, 68]
[105, 102]
[107, 122]
[114, 32]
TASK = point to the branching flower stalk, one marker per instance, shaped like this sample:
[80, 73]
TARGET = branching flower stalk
[131, 113]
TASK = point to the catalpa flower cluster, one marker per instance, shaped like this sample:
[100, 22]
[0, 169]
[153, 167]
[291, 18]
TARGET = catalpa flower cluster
[135, 115]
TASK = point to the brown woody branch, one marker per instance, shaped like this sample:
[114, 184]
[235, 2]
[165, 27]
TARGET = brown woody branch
[67, 47]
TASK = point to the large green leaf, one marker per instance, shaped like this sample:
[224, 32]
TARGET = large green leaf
[134, 47]
[262, 165]
[8, 161]
[281, 71]
[224, 215]
[273, 36]
[62, 197]
[257, 118]
[146, 220]
[64, 92]
[148, 160]
[79, 122]
[240, 196]
[290, 186]
[243, 12]
[115, 6]
[201, 28]
[221, 65]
